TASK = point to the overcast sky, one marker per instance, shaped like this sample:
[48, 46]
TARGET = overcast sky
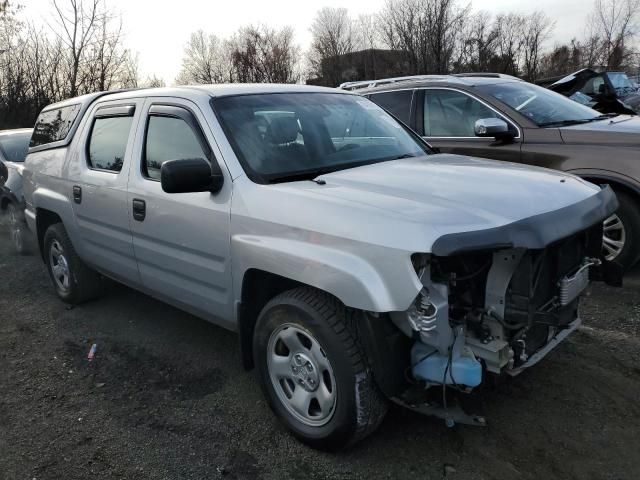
[159, 29]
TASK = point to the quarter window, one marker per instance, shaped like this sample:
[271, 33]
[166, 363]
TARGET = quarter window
[398, 103]
[108, 142]
[53, 125]
[448, 113]
[169, 138]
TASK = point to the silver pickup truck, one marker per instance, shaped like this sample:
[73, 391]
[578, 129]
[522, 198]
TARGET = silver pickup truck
[356, 265]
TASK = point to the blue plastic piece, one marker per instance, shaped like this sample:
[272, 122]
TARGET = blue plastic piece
[430, 365]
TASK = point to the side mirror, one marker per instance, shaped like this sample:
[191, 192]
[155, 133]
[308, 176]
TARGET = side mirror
[190, 175]
[492, 127]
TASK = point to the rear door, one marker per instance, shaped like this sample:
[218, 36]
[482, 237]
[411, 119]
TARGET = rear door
[181, 240]
[98, 186]
[446, 118]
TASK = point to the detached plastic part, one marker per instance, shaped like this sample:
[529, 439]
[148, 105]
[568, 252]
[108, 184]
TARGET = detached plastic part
[430, 365]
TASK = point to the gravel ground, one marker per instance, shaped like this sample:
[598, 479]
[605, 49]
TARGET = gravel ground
[166, 398]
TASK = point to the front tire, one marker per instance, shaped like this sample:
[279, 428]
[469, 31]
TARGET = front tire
[74, 282]
[621, 239]
[313, 370]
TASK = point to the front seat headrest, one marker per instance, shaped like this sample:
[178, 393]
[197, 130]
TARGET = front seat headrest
[282, 130]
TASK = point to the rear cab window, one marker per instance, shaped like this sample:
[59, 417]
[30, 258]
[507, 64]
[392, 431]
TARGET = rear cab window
[53, 125]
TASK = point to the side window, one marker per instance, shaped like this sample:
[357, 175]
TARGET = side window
[108, 142]
[53, 125]
[449, 113]
[593, 86]
[169, 138]
[398, 103]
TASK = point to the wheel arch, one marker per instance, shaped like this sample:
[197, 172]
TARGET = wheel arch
[378, 335]
[44, 219]
[258, 287]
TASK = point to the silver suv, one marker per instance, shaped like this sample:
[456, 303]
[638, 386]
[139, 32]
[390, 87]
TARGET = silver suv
[356, 266]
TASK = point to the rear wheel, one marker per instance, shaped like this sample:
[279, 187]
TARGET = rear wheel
[313, 369]
[73, 280]
[621, 236]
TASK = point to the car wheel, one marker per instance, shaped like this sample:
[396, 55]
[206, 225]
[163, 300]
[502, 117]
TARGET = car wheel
[17, 230]
[313, 370]
[73, 280]
[621, 235]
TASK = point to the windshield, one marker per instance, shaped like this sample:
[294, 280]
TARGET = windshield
[620, 81]
[13, 147]
[541, 106]
[293, 136]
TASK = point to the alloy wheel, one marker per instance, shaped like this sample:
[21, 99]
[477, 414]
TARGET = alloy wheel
[614, 237]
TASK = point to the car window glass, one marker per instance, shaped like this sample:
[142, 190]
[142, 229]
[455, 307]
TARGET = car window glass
[108, 142]
[448, 113]
[168, 138]
[540, 105]
[397, 103]
[277, 137]
[53, 125]
[593, 85]
[14, 147]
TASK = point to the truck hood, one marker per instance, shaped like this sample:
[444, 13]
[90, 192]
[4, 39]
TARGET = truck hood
[620, 130]
[410, 204]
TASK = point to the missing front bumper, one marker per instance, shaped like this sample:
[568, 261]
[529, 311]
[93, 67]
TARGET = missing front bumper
[540, 354]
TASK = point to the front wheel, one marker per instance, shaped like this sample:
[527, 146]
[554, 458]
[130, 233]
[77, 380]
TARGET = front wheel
[314, 371]
[621, 236]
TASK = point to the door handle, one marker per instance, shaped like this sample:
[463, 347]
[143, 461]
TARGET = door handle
[139, 209]
[77, 194]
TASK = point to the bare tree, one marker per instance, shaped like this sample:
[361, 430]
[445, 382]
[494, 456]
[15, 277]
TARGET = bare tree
[153, 82]
[427, 30]
[537, 29]
[510, 30]
[612, 24]
[205, 60]
[333, 37]
[263, 54]
[78, 23]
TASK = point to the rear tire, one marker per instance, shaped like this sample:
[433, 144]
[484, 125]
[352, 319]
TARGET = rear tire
[306, 328]
[74, 282]
[623, 226]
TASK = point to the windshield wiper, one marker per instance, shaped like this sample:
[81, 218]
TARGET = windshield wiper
[404, 155]
[298, 176]
[562, 123]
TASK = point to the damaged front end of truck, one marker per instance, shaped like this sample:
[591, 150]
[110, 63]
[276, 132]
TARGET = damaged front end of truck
[496, 302]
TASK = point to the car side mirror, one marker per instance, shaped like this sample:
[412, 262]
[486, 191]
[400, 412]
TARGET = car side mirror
[492, 127]
[190, 175]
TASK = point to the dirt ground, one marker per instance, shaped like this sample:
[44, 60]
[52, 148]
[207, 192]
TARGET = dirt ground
[166, 398]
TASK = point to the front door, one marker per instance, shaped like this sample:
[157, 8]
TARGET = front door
[446, 118]
[181, 240]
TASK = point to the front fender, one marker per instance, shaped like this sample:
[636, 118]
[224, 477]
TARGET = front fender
[365, 277]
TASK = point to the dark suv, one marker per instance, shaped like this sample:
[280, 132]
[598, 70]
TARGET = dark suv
[503, 118]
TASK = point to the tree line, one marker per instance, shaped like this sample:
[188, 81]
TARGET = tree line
[82, 49]
[446, 36]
